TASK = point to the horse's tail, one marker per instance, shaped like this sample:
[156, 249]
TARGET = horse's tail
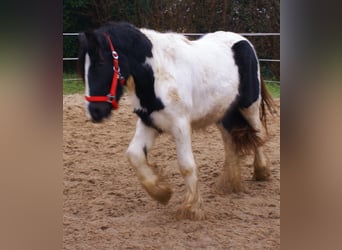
[266, 102]
[245, 137]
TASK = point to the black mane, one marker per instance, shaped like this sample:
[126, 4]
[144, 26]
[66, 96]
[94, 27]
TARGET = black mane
[127, 39]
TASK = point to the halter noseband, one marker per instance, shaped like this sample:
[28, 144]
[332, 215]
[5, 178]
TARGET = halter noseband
[111, 97]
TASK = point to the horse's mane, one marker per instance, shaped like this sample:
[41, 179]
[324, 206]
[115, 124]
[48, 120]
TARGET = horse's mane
[126, 38]
[129, 39]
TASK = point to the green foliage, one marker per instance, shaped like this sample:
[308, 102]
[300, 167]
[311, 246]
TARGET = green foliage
[270, 70]
[72, 86]
[200, 16]
[70, 49]
[274, 89]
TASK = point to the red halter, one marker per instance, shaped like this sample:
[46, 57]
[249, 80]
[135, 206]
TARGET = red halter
[111, 97]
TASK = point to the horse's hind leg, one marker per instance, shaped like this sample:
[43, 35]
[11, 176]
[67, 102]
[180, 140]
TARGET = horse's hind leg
[261, 163]
[246, 126]
[242, 132]
[230, 177]
[137, 155]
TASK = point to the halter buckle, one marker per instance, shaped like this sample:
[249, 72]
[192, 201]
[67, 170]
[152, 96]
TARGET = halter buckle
[115, 55]
[116, 69]
[111, 98]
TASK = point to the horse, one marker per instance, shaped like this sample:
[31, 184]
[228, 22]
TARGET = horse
[177, 85]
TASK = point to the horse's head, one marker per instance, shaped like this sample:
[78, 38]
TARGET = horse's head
[101, 71]
[107, 57]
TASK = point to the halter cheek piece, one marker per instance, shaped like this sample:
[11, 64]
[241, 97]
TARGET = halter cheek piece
[111, 97]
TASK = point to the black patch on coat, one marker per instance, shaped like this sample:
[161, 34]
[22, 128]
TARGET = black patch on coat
[133, 48]
[245, 138]
[249, 86]
[144, 90]
[246, 60]
[233, 118]
[146, 118]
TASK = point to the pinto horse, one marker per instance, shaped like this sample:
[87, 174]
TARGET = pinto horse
[177, 85]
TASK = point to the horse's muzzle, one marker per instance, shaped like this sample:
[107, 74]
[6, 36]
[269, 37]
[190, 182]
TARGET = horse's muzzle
[99, 110]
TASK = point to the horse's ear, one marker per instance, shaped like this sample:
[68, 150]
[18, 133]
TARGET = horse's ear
[92, 40]
[83, 48]
[82, 39]
[83, 43]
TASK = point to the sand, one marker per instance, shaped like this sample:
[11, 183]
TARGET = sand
[105, 206]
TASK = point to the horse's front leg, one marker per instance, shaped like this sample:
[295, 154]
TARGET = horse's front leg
[192, 204]
[137, 155]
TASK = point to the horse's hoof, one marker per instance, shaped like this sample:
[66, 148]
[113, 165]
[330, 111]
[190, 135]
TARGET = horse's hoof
[228, 189]
[190, 213]
[261, 174]
[159, 191]
[224, 187]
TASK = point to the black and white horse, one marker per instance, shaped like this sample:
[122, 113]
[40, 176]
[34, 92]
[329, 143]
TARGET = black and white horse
[177, 85]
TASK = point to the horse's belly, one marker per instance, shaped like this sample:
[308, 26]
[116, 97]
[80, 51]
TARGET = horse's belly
[207, 120]
[210, 105]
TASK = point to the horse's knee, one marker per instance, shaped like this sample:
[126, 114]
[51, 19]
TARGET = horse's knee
[137, 159]
[135, 155]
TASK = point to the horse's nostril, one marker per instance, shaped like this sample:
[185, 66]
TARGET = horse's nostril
[99, 111]
[96, 118]
[95, 114]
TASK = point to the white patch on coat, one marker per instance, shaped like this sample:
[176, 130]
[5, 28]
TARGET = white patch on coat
[86, 70]
[203, 72]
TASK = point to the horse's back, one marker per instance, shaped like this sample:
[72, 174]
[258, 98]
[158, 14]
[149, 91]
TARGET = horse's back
[226, 37]
[200, 78]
